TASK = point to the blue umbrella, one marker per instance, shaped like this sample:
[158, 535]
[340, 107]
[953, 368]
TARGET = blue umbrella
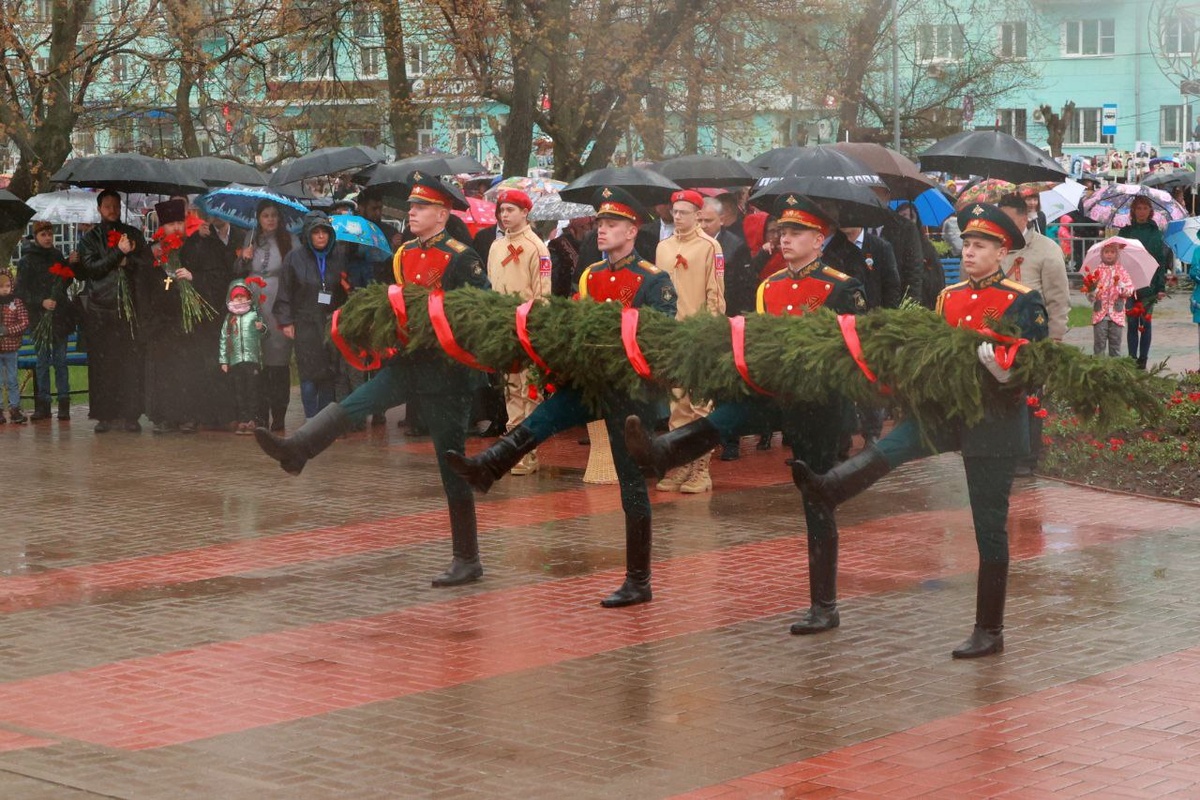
[236, 205]
[1180, 236]
[932, 207]
[361, 231]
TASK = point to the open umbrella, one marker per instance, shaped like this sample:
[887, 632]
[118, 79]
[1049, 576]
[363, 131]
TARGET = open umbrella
[1178, 178]
[933, 207]
[551, 206]
[534, 187]
[992, 154]
[14, 213]
[237, 205]
[326, 161]
[1181, 236]
[223, 171]
[988, 190]
[1111, 205]
[852, 204]
[647, 186]
[702, 170]
[821, 161]
[901, 175]
[68, 207]
[362, 232]
[1062, 199]
[478, 215]
[1132, 255]
[130, 172]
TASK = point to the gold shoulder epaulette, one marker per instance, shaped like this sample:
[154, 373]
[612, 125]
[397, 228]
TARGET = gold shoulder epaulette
[833, 273]
[1016, 287]
[456, 245]
[601, 264]
[646, 265]
[958, 285]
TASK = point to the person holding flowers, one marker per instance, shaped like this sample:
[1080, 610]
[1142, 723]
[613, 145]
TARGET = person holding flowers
[43, 277]
[116, 262]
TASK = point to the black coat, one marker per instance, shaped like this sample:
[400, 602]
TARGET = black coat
[98, 265]
[874, 266]
[741, 282]
[36, 284]
[905, 238]
[298, 303]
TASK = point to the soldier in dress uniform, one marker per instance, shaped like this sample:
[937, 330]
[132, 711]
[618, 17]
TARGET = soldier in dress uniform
[626, 278]
[435, 261]
[519, 263]
[812, 429]
[990, 449]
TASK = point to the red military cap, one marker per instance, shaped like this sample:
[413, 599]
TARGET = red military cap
[689, 196]
[514, 197]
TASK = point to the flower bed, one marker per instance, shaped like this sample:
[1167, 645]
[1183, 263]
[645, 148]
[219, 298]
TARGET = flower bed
[1162, 460]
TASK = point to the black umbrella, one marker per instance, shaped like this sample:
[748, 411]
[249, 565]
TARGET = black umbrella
[648, 187]
[130, 172]
[820, 161]
[14, 213]
[326, 161]
[393, 179]
[991, 154]
[898, 172]
[697, 171]
[1176, 179]
[217, 172]
[852, 205]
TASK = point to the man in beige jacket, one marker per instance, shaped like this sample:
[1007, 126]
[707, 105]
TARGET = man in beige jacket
[518, 263]
[696, 265]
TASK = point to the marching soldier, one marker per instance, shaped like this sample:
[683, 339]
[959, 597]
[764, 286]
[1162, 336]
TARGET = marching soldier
[625, 278]
[436, 261]
[812, 429]
[519, 263]
[990, 449]
[696, 265]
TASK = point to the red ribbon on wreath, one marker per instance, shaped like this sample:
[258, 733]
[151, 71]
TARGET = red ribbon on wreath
[737, 333]
[1006, 352]
[363, 360]
[445, 336]
[523, 336]
[396, 300]
[633, 351]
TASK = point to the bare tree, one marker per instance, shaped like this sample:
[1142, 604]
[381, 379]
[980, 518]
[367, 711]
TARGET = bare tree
[1057, 125]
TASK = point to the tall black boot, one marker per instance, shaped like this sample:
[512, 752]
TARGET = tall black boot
[636, 588]
[822, 588]
[988, 636]
[658, 454]
[465, 567]
[843, 481]
[489, 466]
[41, 410]
[64, 408]
[293, 452]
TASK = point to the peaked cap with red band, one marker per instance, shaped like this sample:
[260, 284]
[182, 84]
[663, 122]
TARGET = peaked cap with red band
[688, 196]
[431, 190]
[613, 202]
[798, 210]
[514, 197]
[988, 221]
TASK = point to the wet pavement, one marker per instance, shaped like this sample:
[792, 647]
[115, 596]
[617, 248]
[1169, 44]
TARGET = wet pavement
[184, 620]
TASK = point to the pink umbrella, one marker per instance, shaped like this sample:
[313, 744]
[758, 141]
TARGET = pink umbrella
[482, 214]
[1132, 255]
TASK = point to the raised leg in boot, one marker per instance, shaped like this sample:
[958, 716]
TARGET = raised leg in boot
[293, 452]
[988, 636]
[656, 455]
[844, 481]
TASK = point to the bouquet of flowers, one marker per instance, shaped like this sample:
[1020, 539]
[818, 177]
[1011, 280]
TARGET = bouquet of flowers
[124, 298]
[43, 332]
[1089, 282]
[194, 307]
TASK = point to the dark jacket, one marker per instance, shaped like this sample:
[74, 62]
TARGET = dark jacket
[36, 284]
[874, 266]
[307, 275]
[98, 265]
[740, 281]
[1151, 237]
[905, 239]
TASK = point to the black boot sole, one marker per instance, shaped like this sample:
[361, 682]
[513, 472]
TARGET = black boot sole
[278, 450]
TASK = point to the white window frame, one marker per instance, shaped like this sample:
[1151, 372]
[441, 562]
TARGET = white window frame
[1164, 115]
[416, 53]
[1080, 28]
[1017, 46]
[1076, 131]
[946, 41]
[1182, 31]
[373, 61]
[1013, 121]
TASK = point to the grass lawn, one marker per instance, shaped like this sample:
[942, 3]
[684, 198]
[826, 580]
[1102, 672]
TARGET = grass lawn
[1077, 317]
[79, 384]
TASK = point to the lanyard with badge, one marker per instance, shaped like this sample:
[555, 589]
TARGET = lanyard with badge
[323, 297]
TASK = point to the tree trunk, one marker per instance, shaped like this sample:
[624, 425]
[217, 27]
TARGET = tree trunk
[403, 114]
[183, 110]
[861, 39]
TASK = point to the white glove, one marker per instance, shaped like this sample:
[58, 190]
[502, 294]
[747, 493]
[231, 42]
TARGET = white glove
[987, 357]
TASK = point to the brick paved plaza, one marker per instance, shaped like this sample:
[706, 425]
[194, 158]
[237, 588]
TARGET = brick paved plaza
[184, 620]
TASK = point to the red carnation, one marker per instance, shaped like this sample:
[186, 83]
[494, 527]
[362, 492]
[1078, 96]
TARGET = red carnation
[550, 388]
[1041, 413]
[1032, 401]
[62, 271]
[114, 237]
[262, 298]
[254, 280]
[532, 390]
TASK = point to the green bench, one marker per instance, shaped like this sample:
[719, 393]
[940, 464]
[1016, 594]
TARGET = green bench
[27, 361]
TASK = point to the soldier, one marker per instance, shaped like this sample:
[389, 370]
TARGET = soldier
[436, 261]
[990, 449]
[812, 429]
[696, 265]
[625, 278]
[519, 263]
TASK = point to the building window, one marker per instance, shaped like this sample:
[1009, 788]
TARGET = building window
[1179, 35]
[1171, 126]
[425, 134]
[939, 43]
[44, 10]
[117, 64]
[1013, 40]
[1089, 37]
[367, 24]
[1012, 121]
[468, 135]
[372, 61]
[1084, 127]
[316, 62]
[418, 59]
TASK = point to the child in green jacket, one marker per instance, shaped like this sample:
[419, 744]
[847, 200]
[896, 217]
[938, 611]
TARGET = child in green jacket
[241, 350]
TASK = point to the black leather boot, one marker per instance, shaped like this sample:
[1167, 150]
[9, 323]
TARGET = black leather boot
[843, 481]
[988, 636]
[41, 410]
[822, 588]
[465, 567]
[658, 454]
[64, 409]
[489, 466]
[636, 588]
[293, 452]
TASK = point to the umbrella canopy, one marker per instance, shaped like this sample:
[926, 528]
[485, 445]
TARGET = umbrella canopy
[362, 232]
[1062, 199]
[986, 191]
[326, 161]
[695, 171]
[223, 171]
[237, 205]
[992, 154]
[551, 206]
[852, 204]
[1183, 237]
[393, 179]
[932, 205]
[478, 215]
[900, 173]
[14, 213]
[68, 207]
[534, 187]
[1132, 255]
[130, 172]
[1111, 205]
[1175, 179]
[821, 161]
[647, 186]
